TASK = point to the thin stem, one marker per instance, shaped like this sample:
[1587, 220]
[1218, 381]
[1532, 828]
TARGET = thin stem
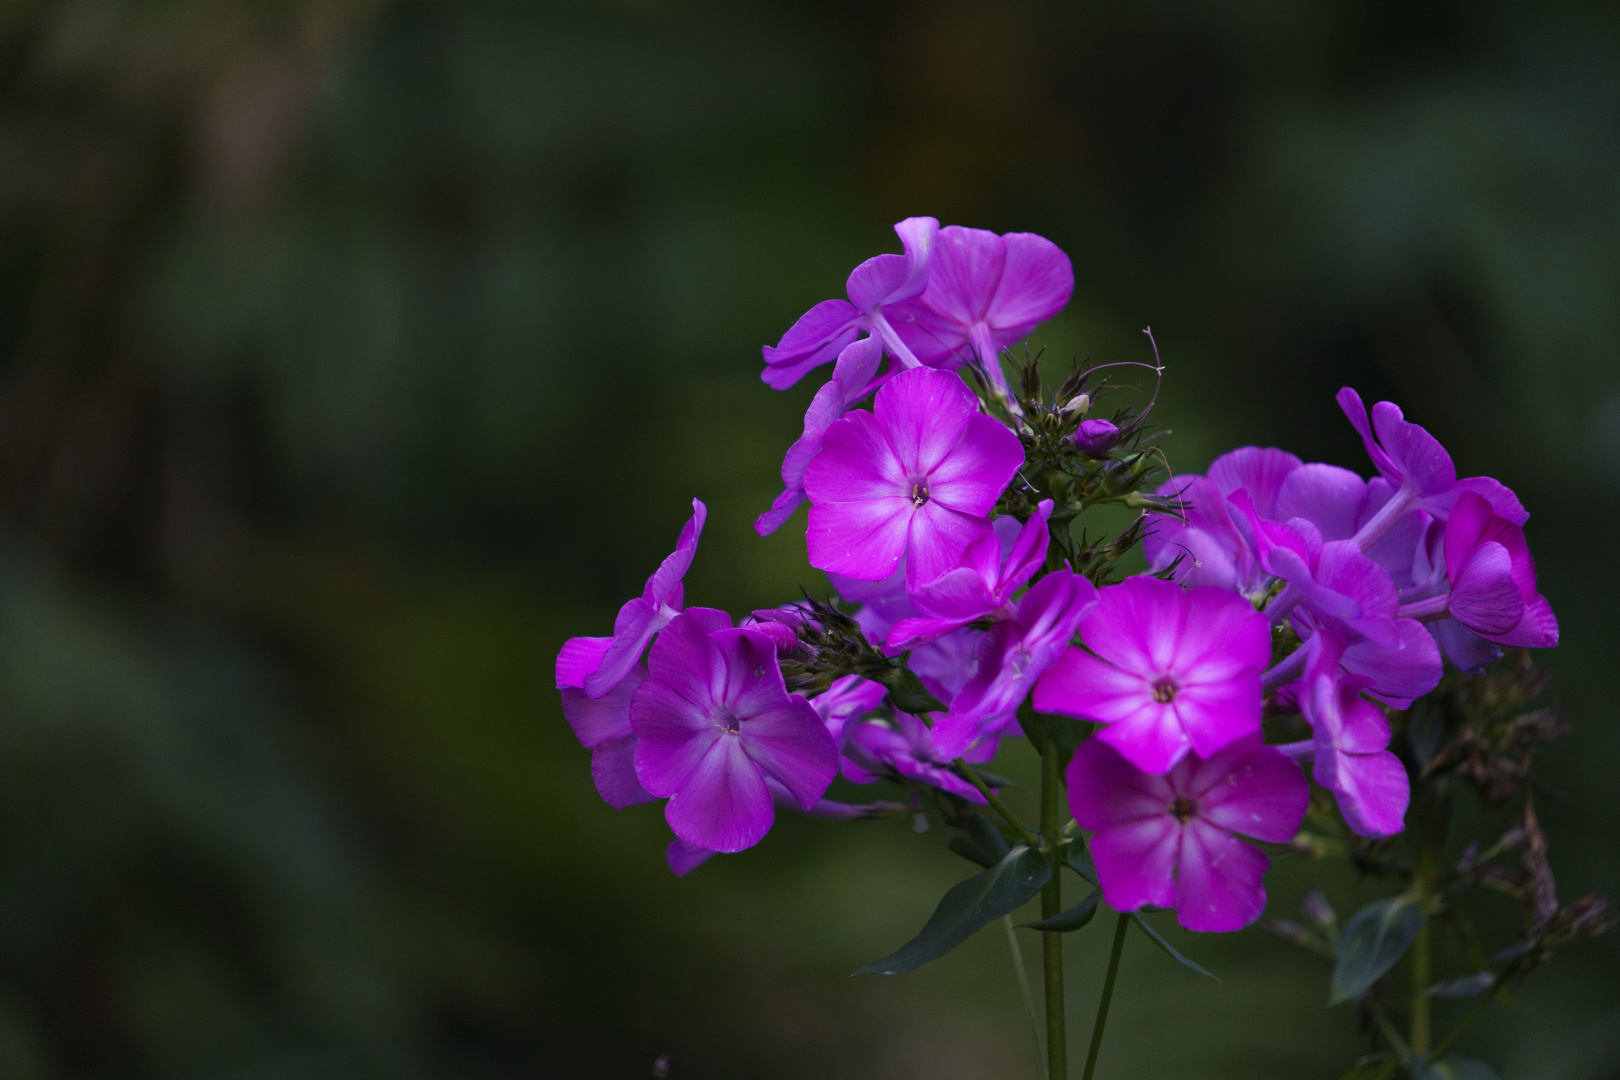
[997, 805]
[1447, 1042]
[1381, 522]
[1283, 603]
[1057, 1048]
[1023, 991]
[1420, 991]
[1391, 1032]
[1435, 607]
[1107, 994]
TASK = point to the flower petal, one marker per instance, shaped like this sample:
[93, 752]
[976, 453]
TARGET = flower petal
[613, 767]
[1255, 790]
[1218, 880]
[978, 468]
[723, 803]
[1136, 862]
[1107, 792]
[673, 736]
[1037, 280]
[861, 540]
[1484, 596]
[793, 745]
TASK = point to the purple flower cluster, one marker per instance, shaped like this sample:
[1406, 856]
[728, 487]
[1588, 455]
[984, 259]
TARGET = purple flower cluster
[970, 599]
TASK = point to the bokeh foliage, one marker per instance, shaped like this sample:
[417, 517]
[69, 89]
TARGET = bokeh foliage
[354, 353]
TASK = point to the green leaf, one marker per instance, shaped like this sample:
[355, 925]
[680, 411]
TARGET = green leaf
[968, 905]
[980, 842]
[908, 692]
[1073, 919]
[1169, 949]
[1066, 731]
[1078, 859]
[1453, 1067]
[1376, 938]
[1465, 986]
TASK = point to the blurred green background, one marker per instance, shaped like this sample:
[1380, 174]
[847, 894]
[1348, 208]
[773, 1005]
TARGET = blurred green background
[355, 353]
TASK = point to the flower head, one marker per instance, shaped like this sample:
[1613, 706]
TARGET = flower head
[1169, 671]
[904, 746]
[916, 477]
[713, 720]
[1172, 840]
[984, 293]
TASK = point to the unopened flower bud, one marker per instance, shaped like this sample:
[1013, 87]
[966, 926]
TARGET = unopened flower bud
[1096, 436]
[1080, 403]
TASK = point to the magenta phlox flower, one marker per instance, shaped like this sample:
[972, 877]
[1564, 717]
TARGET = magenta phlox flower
[982, 586]
[985, 292]
[917, 478]
[847, 699]
[602, 724]
[639, 619]
[1170, 671]
[904, 746]
[1213, 551]
[832, 326]
[1417, 467]
[1013, 654]
[713, 720]
[1171, 840]
[1334, 582]
[1351, 739]
[1493, 578]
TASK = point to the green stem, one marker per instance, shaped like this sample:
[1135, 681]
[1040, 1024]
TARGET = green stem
[1420, 991]
[1391, 1032]
[1057, 1049]
[1023, 991]
[1107, 994]
[998, 806]
[1447, 1042]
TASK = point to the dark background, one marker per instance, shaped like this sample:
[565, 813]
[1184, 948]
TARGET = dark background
[353, 354]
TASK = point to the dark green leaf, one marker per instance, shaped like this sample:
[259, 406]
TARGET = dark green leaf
[1376, 938]
[1453, 1067]
[1466, 986]
[995, 780]
[980, 842]
[1078, 859]
[908, 692]
[970, 904]
[1169, 949]
[1066, 731]
[1073, 919]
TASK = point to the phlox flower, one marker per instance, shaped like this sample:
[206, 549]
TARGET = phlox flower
[984, 293]
[1493, 578]
[1350, 744]
[847, 699]
[1013, 654]
[1211, 548]
[915, 477]
[713, 720]
[1169, 671]
[830, 327]
[639, 619]
[903, 745]
[1172, 840]
[983, 585]
[602, 724]
[1417, 468]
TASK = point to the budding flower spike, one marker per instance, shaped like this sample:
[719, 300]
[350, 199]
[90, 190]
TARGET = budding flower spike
[1360, 624]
